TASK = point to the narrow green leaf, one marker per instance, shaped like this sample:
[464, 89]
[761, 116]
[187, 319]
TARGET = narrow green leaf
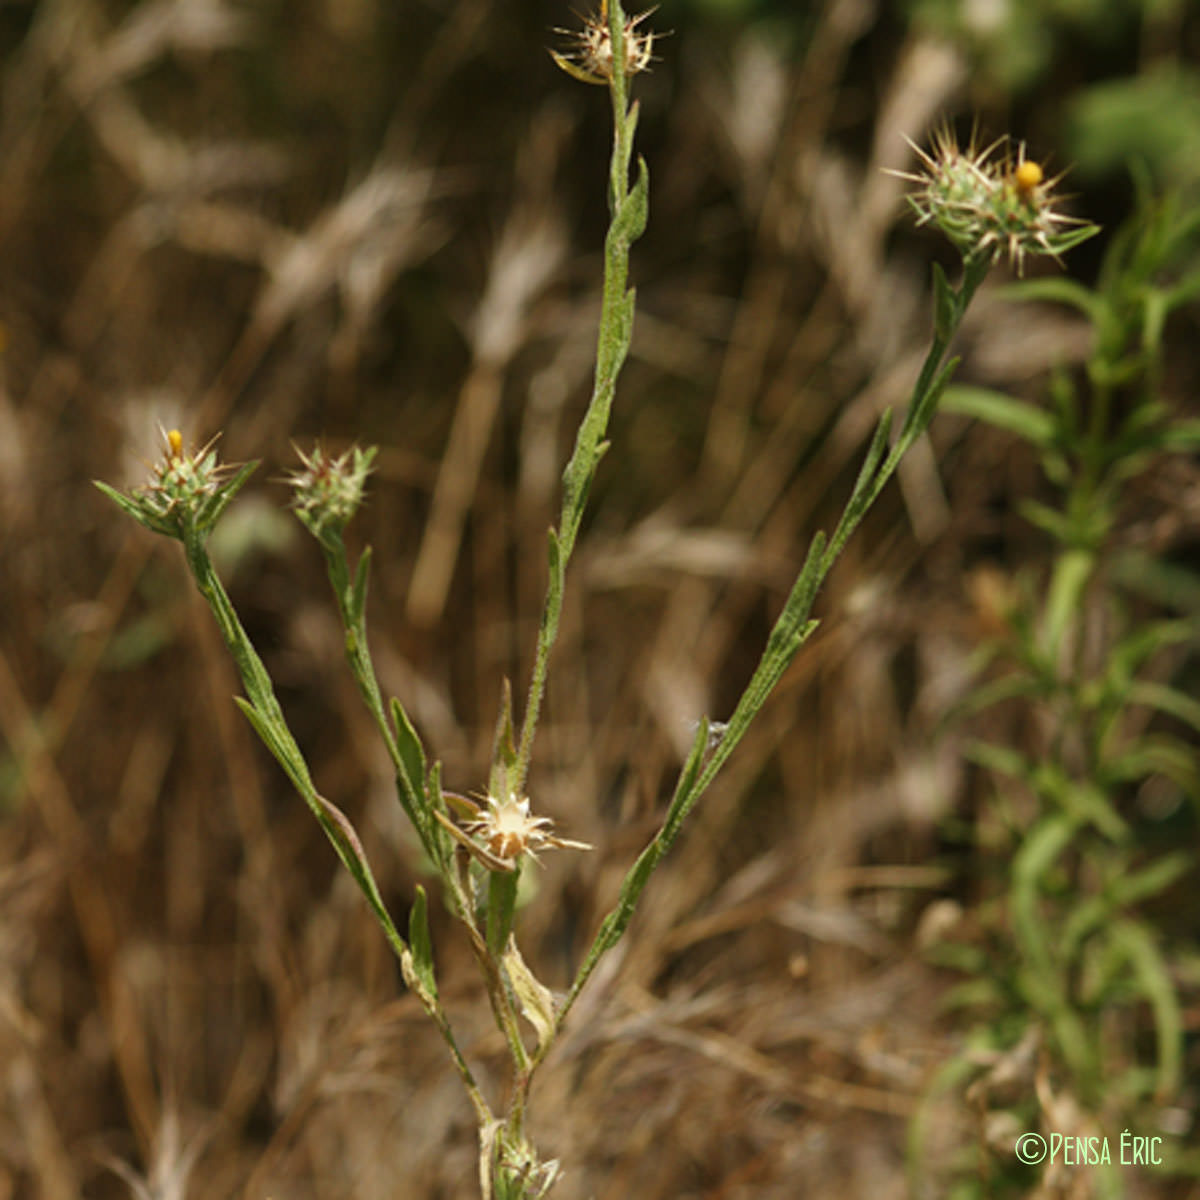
[129, 507]
[338, 828]
[503, 777]
[1171, 585]
[945, 306]
[1158, 754]
[617, 921]
[1071, 575]
[800, 599]
[551, 612]
[358, 593]
[950, 1077]
[1182, 437]
[412, 757]
[1069, 239]
[210, 512]
[1143, 643]
[1055, 289]
[501, 907]
[860, 495]
[419, 941]
[1018, 685]
[1167, 700]
[1154, 981]
[1087, 802]
[433, 786]
[631, 220]
[283, 749]
[626, 314]
[631, 121]
[554, 560]
[928, 405]
[1030, 867]
[1154, 316]
[1049, 520]
[1033, 424]
[1004, 760]
[1184, 292]
[686, 790]
[1133, 888]
[1086, 917]
[350, 850]
[972, 993]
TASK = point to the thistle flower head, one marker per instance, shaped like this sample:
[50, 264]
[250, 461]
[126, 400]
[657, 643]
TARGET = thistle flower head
[187, 490]
[591, 58]
[327, 491]
[993, 201]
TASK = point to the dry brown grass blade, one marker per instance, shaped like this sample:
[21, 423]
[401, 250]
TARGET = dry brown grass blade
[55, 806]
[526, 259]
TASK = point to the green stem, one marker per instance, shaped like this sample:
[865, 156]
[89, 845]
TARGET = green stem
[793, 627]
[349, 589]
[263, 710]
[342, 581]
[628, 216]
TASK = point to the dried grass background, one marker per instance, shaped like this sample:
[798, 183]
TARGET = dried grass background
[381, 222]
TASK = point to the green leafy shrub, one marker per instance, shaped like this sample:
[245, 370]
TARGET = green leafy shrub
[1086, 720]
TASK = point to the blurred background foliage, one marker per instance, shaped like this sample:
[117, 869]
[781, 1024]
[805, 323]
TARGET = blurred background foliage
[380, 221]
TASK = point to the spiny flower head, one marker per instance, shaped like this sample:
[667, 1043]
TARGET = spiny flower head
[591, 58]
[327, 491]
[183, 479]
[186, 492]
[993, 201]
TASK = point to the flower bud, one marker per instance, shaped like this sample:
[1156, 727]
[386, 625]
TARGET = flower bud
[327, 492]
